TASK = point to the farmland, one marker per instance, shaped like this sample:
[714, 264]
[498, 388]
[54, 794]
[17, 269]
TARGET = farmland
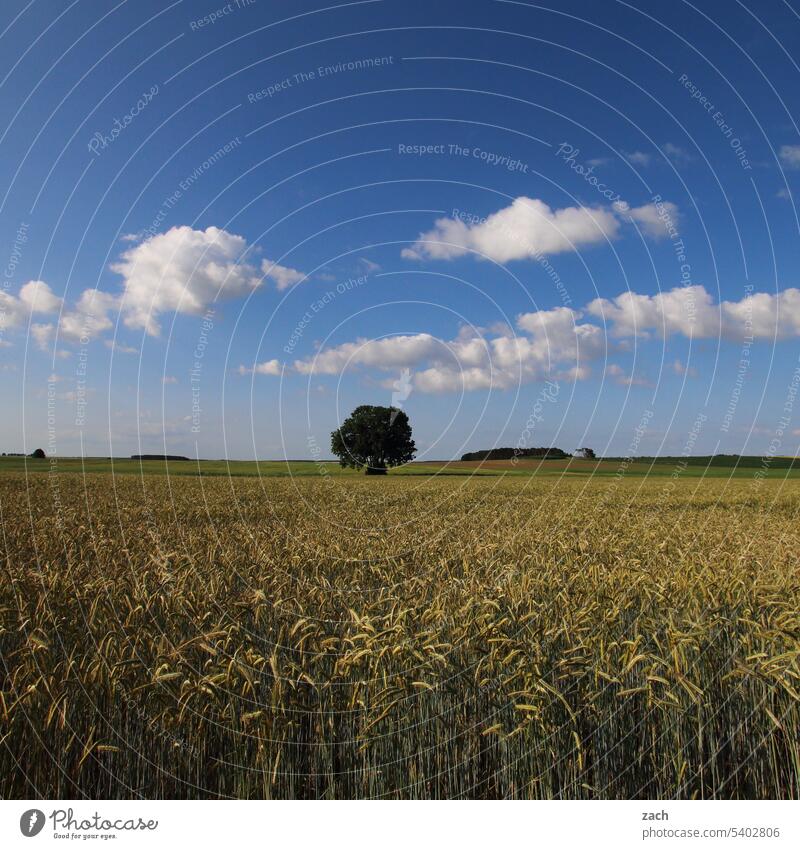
[561, 635]
[741, 467]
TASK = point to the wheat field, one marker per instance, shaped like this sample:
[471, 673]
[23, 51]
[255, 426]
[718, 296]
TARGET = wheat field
[406, 637]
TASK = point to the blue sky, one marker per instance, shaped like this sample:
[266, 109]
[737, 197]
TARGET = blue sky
[224, 226]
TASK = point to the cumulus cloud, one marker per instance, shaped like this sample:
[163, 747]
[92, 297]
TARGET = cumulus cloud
[185, 270]
[388, 353]
[34, 297]
[271, 367]
[654, 220]
[562, 336]
[561, 342]
[282, 275]
[553, 343]
[39, 297]
[182, 270]
[691, 311]
[86, 321]
[638, 157]
[762, 315]
[90, 317]
[688, 310]
[529, 228]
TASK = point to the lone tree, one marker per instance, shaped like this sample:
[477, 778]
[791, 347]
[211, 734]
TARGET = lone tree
[374, 439]
[586, 454]
[38, 454]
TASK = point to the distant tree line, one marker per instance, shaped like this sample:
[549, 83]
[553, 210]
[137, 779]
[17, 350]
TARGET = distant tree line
[38, 454]
[511, 453]
[741, 461]
[158, 457]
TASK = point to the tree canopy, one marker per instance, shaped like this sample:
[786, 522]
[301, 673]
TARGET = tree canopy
[374, 439]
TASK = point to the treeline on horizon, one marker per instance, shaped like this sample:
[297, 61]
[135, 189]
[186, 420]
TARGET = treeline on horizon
[717, 460]
[743, 461]
[511, 453]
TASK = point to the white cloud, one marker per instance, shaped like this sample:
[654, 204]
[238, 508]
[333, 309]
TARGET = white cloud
[34, 297]
[691, 311]
[688, 310]
[389, 353]
[638, 157]
[655, 220]
[562, 335]
[561, 343]
[272, 367]
[39, 297]
[169, 379]
[182, 270]
[86, 321]
[762, 315]
[282, 275]
[90, 317]
[790, 155]
[527, 228]
[554, 344]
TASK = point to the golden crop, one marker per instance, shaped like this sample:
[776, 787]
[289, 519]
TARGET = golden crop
[400, 637]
